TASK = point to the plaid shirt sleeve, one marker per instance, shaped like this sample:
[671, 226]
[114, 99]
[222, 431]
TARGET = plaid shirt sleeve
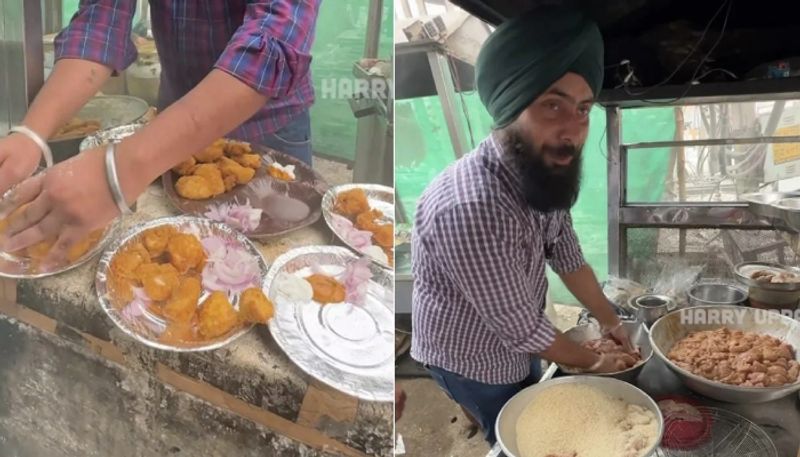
[100, 32]
[479, 247]
[567, 254]
[271, 51]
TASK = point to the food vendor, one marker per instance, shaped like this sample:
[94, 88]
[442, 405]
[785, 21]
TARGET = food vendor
[488, 225]
[229, 68]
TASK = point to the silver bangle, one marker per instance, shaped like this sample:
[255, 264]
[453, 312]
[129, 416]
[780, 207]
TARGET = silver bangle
[113, 181]
[48, 154]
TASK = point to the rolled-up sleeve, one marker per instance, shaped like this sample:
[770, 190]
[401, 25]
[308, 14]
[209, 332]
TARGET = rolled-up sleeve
[479, 246]
[271, 51]
[100, 32]
[567, 255]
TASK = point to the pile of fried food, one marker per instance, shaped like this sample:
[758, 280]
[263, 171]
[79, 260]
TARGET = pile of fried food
[353, 204]
[216, 170]
[775, 277]
[168, 265]
[745, 359]
[77, 128]
[39, 251]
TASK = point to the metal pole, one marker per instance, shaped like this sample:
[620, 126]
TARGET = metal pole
[406, 9]
[21, 58]
[681, 169]
[443, 80]
[373, 29]
[616, 185]
[422, 10]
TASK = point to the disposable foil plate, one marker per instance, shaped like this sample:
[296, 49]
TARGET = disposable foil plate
[347, 346]
[14, 266]
[379, 197]
[148, 327]
[286, 206]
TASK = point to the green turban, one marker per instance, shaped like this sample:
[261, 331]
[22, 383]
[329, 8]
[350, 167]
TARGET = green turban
[526, 55]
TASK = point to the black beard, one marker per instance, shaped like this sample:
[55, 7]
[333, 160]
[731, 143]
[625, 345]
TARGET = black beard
[545, 188]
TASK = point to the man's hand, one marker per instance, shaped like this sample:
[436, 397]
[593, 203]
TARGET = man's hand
[19, 158]
[65, 203]
[620, 334]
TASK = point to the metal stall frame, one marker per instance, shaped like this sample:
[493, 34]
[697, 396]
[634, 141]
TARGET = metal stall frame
[445, 89]
[21, 52]
[624, 215]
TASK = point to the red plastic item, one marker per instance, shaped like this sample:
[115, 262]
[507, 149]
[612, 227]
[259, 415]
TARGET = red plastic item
[686, 427]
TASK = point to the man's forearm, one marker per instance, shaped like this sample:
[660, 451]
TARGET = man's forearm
[583, 285]
[72, 83]
[216, 106]
[565, 351]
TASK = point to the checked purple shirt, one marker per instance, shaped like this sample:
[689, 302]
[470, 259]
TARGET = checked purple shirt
[479, 256]
[265, 44]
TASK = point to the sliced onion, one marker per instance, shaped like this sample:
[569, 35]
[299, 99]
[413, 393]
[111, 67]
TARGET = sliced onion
[229, 267]
[239, 216]
[355, 279]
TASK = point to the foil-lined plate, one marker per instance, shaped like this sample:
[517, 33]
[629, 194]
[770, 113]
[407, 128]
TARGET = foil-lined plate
[379, 197]
[148, 327]
[113, 135]
[346, 346]
[287, 205]
[14, 266]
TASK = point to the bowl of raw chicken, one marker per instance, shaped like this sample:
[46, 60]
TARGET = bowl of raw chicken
[731, 353]
[590, 337]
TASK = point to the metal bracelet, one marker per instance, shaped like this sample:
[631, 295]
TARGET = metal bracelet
[48, 154]
[113, 181]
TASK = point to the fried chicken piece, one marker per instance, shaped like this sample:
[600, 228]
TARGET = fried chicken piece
[183, 304]
[217, 316]
[229, 167]
[39, 250]
[213, 175]
[368, 220]
[178, 332]
[230, 182]
[384, 235]
[238, 148]
[351, 203]
[158, 280]
[211, 153]
[255, 307]
[125, 263]
[155, 239]
[194, 187]
[77, 250]
[248, 160]
[186, 252]
[186, 167]
[326, 289]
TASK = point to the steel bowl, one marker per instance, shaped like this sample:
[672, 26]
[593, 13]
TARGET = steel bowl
[638, 332]
[676, 325]
[506, 425]
[745, 270]
[649, 308]
[765, 203]
[713, 294]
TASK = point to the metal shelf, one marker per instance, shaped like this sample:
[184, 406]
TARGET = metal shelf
[413, 74]
[729, 92]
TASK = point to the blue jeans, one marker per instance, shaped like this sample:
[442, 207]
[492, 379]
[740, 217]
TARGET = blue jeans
[483, 401]
[293, 139]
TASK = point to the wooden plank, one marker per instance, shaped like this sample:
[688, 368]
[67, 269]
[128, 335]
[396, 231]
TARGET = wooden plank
[222, 399]
[322, 401]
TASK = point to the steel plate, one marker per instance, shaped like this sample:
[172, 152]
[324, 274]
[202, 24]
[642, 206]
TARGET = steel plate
[287, 206]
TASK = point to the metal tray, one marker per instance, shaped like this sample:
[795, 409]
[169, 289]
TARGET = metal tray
[287, 206]
[744, 270]
[379, 197]
[763, 203]
[146, 328]
[349, 347]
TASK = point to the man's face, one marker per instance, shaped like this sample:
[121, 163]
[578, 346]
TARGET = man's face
[546, 141]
